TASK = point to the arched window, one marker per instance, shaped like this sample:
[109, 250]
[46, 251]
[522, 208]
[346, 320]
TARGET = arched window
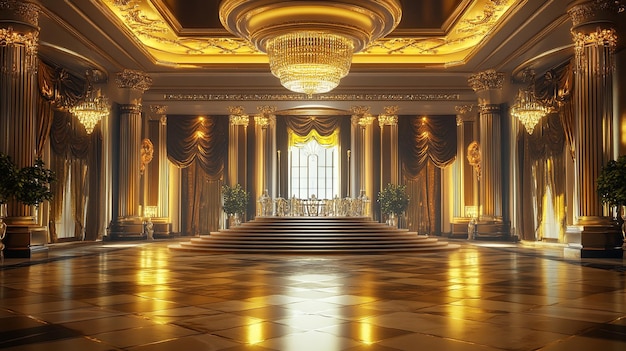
[314, 165]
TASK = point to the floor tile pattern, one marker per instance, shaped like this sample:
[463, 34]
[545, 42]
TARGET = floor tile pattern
[139, 296]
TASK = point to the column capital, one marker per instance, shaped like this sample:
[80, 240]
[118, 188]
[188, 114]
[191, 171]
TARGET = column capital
[589, 15]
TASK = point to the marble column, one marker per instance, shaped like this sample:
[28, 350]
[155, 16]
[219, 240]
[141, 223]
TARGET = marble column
[488, 86]
[132, 84]
[595, 37]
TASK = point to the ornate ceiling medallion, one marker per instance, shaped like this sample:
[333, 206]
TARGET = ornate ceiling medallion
[310, 43]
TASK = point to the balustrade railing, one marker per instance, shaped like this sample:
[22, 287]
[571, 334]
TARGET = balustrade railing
[313, 207]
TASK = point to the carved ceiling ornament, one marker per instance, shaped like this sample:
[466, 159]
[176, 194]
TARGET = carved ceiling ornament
[486, 80]
[320, 97]
[149, 27]
[133, 79]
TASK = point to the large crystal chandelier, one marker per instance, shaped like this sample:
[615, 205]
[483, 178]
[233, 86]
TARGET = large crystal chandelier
[526, 107]
[310, 62]
[310, 43]
[93, 108]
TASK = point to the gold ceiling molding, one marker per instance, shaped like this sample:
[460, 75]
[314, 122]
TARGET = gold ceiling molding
[322, 97]
[147, 26]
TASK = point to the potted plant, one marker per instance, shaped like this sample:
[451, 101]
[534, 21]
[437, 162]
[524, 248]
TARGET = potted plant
[611, 185]
[8, 172]
[32, 185]
[393, 201]
[235, 201]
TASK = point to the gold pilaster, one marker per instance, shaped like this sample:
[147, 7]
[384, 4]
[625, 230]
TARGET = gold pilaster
[238, 147]
[160, 111]
[389, 164]
[264, 169]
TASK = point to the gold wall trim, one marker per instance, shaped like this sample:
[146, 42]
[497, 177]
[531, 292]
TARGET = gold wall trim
[304, 97]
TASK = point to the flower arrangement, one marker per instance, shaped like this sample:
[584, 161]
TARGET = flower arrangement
[393, 199]
[611, 182]
[235, 199]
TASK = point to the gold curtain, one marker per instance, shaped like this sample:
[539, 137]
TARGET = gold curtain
[305, 125]
[543, 174]
[325, 141]
[200, 146]
[73, 150]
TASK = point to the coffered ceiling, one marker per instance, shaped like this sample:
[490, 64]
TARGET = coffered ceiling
[198, 67]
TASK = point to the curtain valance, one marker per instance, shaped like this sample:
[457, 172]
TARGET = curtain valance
[426, 138]
[200, 139]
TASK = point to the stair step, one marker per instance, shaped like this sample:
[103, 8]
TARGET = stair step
[313, 235]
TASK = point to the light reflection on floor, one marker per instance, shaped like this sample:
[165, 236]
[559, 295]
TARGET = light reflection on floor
[140, 296]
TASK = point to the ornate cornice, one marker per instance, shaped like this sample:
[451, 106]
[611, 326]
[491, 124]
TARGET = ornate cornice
[20, 12]
[321, 97]
[133, 79]
[593, 11]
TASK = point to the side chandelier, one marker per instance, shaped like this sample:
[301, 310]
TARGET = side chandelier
[527, 108]
[93, 108]
[310, 43]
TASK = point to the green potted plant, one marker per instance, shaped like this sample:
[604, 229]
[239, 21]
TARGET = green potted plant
[611, 184]
[235, 201]
[32, 185]
[393, 201]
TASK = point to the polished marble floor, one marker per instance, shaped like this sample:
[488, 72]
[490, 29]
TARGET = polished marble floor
[140, 296]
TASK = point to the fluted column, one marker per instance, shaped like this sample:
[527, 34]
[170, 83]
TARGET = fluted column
[362, 155]
[488, 86]
[132, 84]
[264, 130]
[595, 37]
[466, 175]
[389, 164]
[19, 40]
[163, 203]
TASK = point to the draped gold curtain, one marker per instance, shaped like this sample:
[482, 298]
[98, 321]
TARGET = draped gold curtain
[426, 144]
[199, 145]
[72, 151]
[543, 160]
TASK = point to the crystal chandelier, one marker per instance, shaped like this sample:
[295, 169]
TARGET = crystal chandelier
[310, 43]
[92, 108]
[527, 108]
[310, 62]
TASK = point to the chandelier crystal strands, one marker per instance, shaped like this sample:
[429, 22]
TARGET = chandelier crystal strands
[527, 108]
[310, 44]
[92, 109]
